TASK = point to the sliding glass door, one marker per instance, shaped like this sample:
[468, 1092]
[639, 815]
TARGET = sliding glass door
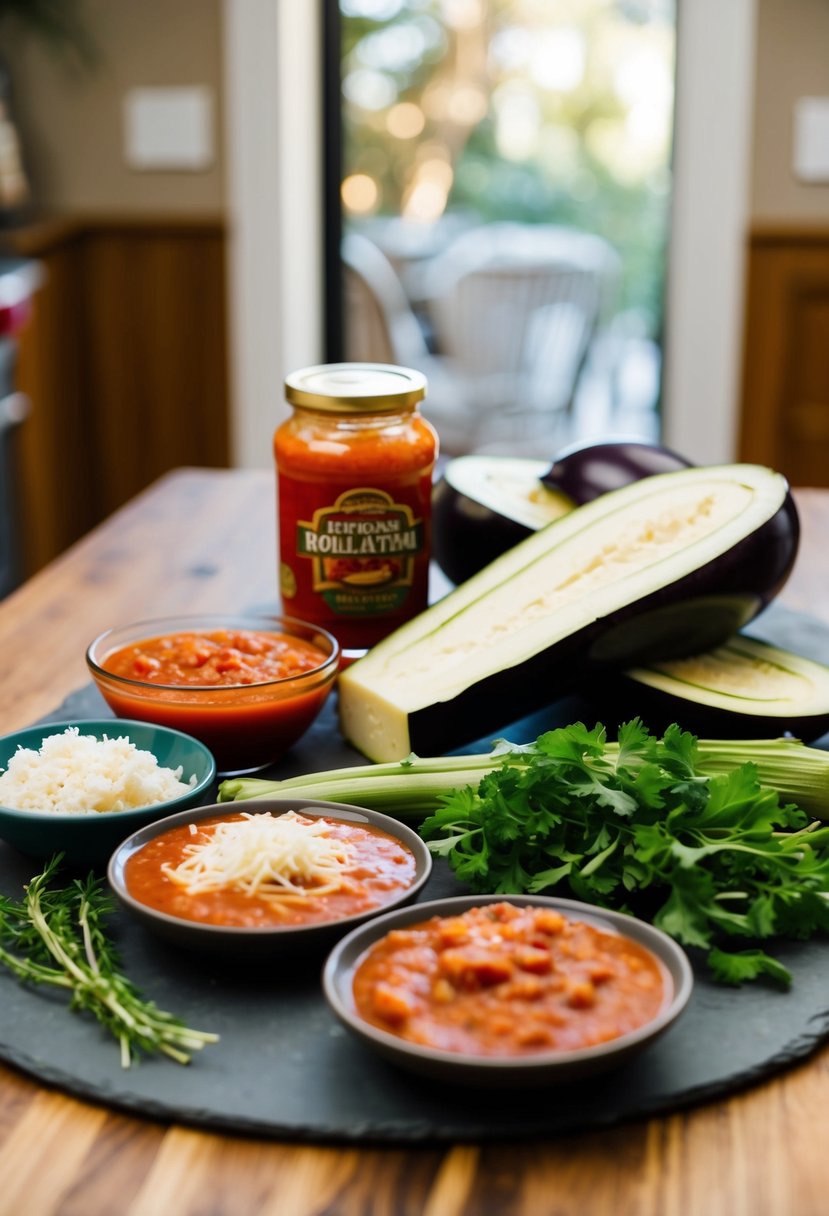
[498, 191]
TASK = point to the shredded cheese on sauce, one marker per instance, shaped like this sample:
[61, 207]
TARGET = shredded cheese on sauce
[74, 774]
[270, 857]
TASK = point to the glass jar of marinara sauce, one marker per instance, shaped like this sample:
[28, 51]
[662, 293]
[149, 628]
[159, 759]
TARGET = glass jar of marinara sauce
[354, 468]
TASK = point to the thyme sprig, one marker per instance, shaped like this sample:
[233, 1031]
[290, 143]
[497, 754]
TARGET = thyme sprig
[57, 935]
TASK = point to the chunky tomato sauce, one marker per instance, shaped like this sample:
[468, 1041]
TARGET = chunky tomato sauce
[309, 446]
[244, 730]
[218, 687]
[501, 980]
[218, 657]
[380, 869]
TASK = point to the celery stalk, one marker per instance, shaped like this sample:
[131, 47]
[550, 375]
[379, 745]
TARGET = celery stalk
[414, 787]
[408, 789]
[800, 774]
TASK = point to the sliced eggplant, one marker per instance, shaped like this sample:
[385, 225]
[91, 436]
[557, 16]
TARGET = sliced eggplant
[669, 566]
[483, 505]
[741, 690]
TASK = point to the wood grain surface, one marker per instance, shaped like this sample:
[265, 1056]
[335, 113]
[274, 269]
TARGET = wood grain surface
[784, 415]
[201, 540]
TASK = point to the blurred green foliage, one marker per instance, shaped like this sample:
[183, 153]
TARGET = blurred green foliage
[60, 24]
[596, 179]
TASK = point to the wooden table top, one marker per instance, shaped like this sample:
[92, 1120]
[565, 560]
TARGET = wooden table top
[203, 541]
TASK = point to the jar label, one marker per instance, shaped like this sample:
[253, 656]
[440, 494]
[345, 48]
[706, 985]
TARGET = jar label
[362, 551]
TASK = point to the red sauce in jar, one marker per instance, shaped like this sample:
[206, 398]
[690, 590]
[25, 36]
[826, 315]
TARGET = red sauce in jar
[502, 980]
[354, 465]
[380, 868]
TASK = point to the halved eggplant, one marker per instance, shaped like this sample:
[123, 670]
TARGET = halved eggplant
[483, 505]
[669, 566]
[743, 689]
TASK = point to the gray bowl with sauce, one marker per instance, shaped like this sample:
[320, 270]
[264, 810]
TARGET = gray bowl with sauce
[543, 1067]
[235, 941]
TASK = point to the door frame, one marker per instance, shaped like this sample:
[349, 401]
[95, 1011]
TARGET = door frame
[272, 118]
[710, 217]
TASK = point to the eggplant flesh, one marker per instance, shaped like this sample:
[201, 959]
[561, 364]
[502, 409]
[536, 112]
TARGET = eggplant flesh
[745, 689]
[483, 505]
[666, 567]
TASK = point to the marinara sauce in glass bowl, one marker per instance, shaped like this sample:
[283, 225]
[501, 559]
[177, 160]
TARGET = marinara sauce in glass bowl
[248, 687]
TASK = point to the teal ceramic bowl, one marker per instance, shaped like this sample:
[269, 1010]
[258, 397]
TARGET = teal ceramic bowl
[89, 839]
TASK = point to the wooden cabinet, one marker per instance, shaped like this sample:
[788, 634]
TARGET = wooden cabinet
[54, 476]
[785, 398]
[125, 361]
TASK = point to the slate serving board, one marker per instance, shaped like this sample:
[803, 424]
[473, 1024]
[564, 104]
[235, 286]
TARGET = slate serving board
[285, 1068]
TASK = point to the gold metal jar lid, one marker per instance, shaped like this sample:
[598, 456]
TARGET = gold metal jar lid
[356, 388]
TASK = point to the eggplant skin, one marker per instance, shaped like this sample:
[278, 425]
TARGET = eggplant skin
[745, 689]
[620, 696]
[695, 614]
[691, 614]
[466, 535]
[585, 471]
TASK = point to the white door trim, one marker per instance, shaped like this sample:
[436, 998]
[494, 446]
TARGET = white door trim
[273, 137]
[710, 219]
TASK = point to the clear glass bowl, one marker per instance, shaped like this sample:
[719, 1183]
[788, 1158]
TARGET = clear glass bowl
[246, 726]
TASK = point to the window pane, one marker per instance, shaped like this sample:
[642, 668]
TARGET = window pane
[505, 198]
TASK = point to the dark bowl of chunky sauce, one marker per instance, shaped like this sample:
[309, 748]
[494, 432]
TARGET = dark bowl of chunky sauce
[498, 991]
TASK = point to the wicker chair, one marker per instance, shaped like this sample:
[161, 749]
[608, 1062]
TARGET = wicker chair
[381, 327]
[515, 308]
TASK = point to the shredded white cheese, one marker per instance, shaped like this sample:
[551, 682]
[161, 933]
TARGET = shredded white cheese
[271, 857]
[74, 774]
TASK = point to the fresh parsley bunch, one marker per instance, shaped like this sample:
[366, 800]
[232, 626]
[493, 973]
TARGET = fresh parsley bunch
[638, 825]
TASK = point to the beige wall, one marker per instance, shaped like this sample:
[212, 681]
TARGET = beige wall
[792, 62]
[72, 120]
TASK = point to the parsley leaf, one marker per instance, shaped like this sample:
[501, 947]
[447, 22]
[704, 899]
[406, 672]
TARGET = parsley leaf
[746, 965]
